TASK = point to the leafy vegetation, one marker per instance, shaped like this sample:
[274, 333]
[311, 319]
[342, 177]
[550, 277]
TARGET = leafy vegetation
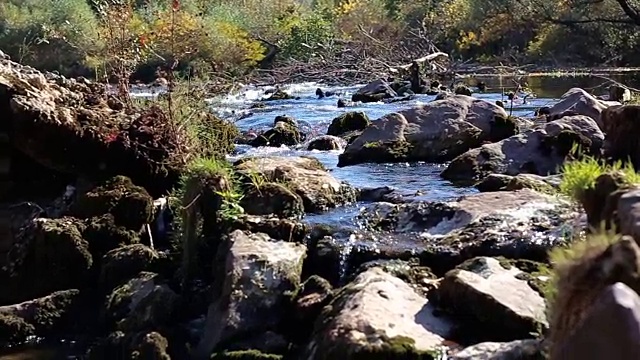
[580, 175]
[98, 37]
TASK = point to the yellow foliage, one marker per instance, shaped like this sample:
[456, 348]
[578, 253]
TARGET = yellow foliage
[467, 39]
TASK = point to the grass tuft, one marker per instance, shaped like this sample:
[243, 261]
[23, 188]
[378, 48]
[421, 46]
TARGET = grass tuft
[580, 175]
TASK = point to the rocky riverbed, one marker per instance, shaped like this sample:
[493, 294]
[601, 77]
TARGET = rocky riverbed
[400, 226]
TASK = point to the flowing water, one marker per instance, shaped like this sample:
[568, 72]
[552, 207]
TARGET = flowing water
[421, 181]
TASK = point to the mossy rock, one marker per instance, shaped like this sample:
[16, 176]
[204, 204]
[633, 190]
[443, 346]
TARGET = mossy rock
[272, 199]
[351, 121]
[14, 330]
[124, 263]
[282, 133]
[104, 235]
[130, 205]
[138, 346]
[244, 355]
[379, 152]
[50, 255]
[280, 229]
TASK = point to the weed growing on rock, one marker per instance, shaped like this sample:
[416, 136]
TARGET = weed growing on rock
[580, 175]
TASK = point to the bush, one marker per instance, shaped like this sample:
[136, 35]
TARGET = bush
[580, 175]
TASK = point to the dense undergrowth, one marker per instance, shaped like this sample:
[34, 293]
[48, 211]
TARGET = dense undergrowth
[233, 37]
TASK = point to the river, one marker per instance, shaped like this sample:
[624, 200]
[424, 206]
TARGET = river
[420, 181]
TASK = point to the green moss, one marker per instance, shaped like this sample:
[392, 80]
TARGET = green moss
[347, 122]
[104, 235]
[124, 263]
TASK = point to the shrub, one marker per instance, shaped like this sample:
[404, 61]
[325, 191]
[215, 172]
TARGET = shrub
[580, 175]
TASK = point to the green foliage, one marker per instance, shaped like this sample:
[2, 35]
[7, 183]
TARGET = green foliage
[305, 34]
[580, 175]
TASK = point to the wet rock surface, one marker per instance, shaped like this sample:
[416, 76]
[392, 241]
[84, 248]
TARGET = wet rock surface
[434, 132]
[250, 298]
[489, 297]
[577, 101]
[541, 151]
[305, 176]
[378, 315]
[515, 224]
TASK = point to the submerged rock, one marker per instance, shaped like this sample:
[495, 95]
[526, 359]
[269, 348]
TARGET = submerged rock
[282, 133]
[490, 299]
[374, 92]
[305, 176]
[540, 151]
[515, 224]
[377, 316]
[434, 132]
[348, 123]
[326, 143]
[576, 101]
[250, 298]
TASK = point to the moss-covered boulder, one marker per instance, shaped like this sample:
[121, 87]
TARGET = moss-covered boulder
[124, 263]
[541, 151]
[377, 316]
[47, 255]
[326, 143]
[348, 122]
[130, 205]
[250, 297]
[143, 302]
[282, 133]
[501, 182]
[139, 346]
[306, 176]
[437, 131]
[271, 199]
[54, 315]
[104, 235]
[491, 301]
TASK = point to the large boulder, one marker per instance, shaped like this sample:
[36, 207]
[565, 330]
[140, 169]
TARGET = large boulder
[577, 101]
[250, 298]
[488, 297]
[521, 224]
[282, 133]
[540, 151]
[137, 345]
[305, 176]
[377, 316]
[326, 143]
[374, 92]
[622, 126]
[434, 132]
[77, 127]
